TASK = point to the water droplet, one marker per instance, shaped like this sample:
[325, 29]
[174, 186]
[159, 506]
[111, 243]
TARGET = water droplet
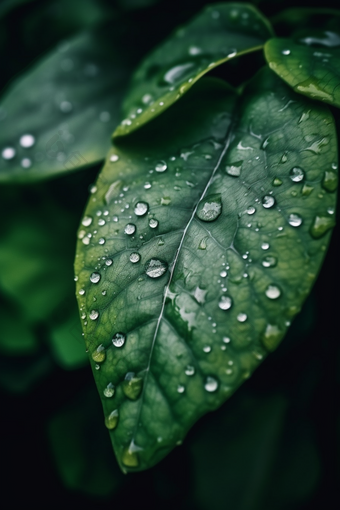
[118, 339]
[223, 273]
[296, 174]
[265, 246]
[272, 337]
[234, 169]
[307, 190]
[130, 229]
[102, 241]
[94, 314]
[111, 420]
[81, 292]
[225, 302]
[87, 220]
[273, 292]
[161, 166]
[95, 277]
[8, 153]
[251, 210]
[97, 367]
[284, 158]
[141, 208]
[203, 243]
[190, 370]
[207, 348]
[155, 268]
[132, 386]
[165, 201]
[180, 388]
[109, 262]
[99, 354]
[294, 220]
[211, 384]
[26, 162]
[109, 391]
[134, 257]
[130, 458]
[153, 223]
[178, 73]
[65, 106]
[210, 208]
[277, 182]
[268, 201]
[285, 52]
[114, 158]
[27, 141]
[269, 261]
[330, 181]
[265, 144]
[226, 339]
[321, 225]
[242, 317]
[311, 88]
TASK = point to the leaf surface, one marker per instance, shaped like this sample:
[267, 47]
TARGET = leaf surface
[312, 67]
[200, 243]
[219, 33]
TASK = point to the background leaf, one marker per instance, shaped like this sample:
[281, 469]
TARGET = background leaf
[199, 245]
[311, 67]
[220, 33]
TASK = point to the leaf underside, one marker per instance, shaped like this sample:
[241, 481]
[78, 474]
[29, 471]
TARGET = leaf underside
[177, 314]
[311, 71]
[219, 33]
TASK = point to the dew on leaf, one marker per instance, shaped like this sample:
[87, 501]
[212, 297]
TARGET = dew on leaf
[118, 339]
[210, 208]
[153, 223]
[132, 386]
[265, 246]
[321, 225]
[81, 292]
[211, 384]
[294, 220]
[99, 354]
[226, 339]
[272, 337]
[225, 302]
[102, 241]
[296, 174]
[8, 153]
[111, 420]
[207, 348]
[234, 169]
[268, 201]
[251, 210]
[94, 314]
[285, 52]
[155, 268]
[108, 262]
[180, 388]
[130, 458]
[330, 181]
[114, 158]
[178, 73]
[27, 141]
[109, 391]
[130, 229]
[269, 261]
[95, 277]
[189, 370]
[242, 317]
[86, 221]
[161, 166]
[277, 181]
[273, 292]
[26, 162]
[223, 273]
[141, 208]
[134, 257]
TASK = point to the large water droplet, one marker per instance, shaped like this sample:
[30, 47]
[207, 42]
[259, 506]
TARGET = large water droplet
[111, 420]
[99, 354]
[268, 201]
[109, 391]
[118, 339]
[86, 221]
[95, 277]
[8, 153]
[273, 292]
[155, 268]
[321, 225]
[178, 73]
[130, 229]
[330, 181]
[27, 141]
[141, 208]
[225, 302]
[190, 370]
[210, 208]
[234, 169]
[153, 223]
[211, 384]
[94, 314]
[132, 386]
[251, 210]
[296, 174]
[161, 166]
[294, 220]
[134, 257]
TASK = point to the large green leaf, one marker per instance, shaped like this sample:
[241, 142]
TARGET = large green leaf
[311, 66]
[219, 33]
[201, 241]
[58, 116]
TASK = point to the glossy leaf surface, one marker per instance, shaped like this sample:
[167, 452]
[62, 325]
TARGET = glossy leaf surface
[58, 116]
[199, 244]
[311, 66]
[220, 33]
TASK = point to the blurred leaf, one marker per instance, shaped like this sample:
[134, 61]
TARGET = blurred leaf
[219, 33]
[16, 336]
[296, 19]
[81, 452]
[68, 344]
[58, 116]
[8, 5]
[203, 237]
[311, 66]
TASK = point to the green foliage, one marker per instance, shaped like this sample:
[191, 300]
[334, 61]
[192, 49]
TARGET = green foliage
[196, 245]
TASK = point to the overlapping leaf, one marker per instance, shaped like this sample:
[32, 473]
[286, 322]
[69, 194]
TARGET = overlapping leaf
[200, 243]
[220, 33]
[311, 66]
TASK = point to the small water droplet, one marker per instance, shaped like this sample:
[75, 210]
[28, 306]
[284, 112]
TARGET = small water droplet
[153, 223]
[268, 201]
[114, 158]
[251, 210]
[207, 348]
[132, 386]
[271, 337]
[8, 153]
[130, 229]
[111, 420]
[330, 181]
[294, 220]
[165, 201]
[211, 384]
[95, 277]
[27, 141]
[130, 458]
[108, 262]
[118, 339]
[277, 181]
[86, 221]
[155, 268]
[161, 167]
[141, 208]
[226, 339]
[242, 317]
[269, 261]
[285, 52]
[296, 174]
[234, 169]
[26, 162]
[99, 354]
[134, 257]
[190, 370]
[273, 292]
[265, 246]
[203, 243]
[81, 292]
[321, 225]
[102, 241]
[223, 273]
[180, 388]
[225, 302]
[210, 208]
[94, 314]
[109, 391]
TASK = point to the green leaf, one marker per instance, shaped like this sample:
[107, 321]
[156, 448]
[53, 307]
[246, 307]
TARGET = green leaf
[16, 336]
[296, 19]
[188, 303]
[58, 116]
[219, 33]
[312, 67]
